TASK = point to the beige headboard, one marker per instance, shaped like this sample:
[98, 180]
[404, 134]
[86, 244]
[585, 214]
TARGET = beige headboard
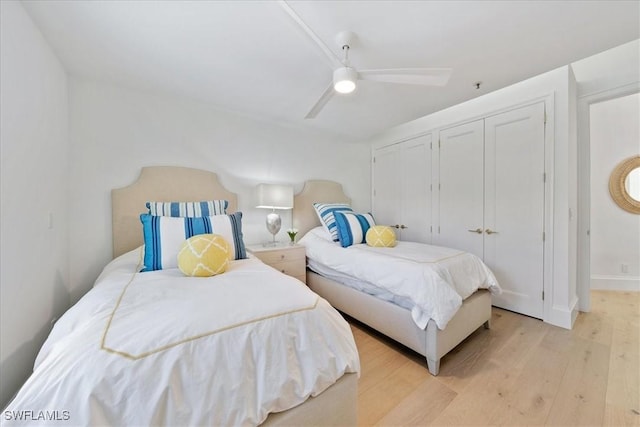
[161, 184]
[314, 191]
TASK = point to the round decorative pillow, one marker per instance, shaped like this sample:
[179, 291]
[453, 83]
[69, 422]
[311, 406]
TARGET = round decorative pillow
[381, 236]
[204, 255]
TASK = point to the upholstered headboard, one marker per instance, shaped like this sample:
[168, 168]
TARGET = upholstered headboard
[162, 184]
[314, 191]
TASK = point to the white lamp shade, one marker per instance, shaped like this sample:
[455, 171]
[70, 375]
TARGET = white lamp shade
[274, 196]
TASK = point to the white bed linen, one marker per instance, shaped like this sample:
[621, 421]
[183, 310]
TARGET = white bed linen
[360, 285]
[429, 280]
[176, 350]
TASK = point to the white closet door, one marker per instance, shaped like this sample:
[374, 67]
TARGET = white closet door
[402, 188]
[460, 207]
[415, 169]
[514, 207]
[386, 185]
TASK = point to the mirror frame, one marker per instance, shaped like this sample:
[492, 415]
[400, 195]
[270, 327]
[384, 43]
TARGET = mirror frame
[617, 186]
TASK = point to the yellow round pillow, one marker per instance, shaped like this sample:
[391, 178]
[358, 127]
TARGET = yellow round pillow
[204, 255]
[381, 236]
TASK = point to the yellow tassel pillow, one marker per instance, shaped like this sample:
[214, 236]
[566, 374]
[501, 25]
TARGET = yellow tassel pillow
[381, 236]
[204, 255]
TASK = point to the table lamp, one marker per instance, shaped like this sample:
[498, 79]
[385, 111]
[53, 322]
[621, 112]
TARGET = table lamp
[274, 196]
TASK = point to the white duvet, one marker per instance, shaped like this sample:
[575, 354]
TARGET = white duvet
[429, 280]
[159, 348]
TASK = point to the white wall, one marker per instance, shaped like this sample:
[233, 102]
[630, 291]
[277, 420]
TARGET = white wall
[558, 90]
[615, 233]
[116, 131]
[35, 148]
[607, 70]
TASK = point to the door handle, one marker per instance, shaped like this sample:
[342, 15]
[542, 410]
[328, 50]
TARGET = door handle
[403, 226]
[396, 226]
[490, 231]
[477, 230]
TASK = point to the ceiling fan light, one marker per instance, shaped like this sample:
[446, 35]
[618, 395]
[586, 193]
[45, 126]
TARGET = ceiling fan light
[344, 79]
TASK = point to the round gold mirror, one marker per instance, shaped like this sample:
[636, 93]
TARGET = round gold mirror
[624, 184]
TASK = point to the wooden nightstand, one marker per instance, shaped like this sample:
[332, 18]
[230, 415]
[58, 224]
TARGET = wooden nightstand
[289, 259]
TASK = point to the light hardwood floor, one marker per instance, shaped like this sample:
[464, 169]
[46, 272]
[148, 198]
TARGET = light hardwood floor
[520, 372]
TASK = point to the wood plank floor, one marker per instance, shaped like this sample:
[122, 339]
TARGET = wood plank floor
[520, 372]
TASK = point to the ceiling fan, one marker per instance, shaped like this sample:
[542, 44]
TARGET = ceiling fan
[345, 76]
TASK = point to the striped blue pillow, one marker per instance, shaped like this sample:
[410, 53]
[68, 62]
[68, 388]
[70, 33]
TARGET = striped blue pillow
[163, 236]
[352, 227]
[188, 209]
[325, 212]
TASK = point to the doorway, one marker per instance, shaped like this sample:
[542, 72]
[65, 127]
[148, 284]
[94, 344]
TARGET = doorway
[608, 247]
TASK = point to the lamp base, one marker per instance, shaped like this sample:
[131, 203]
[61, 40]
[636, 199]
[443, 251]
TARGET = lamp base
[274, 222]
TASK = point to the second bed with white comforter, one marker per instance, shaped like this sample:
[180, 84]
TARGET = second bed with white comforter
[430, 281]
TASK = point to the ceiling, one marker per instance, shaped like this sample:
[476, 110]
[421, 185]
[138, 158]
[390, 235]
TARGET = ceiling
[250, 57]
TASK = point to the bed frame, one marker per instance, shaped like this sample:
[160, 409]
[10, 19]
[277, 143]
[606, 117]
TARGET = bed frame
[385, 317]
[337, 405]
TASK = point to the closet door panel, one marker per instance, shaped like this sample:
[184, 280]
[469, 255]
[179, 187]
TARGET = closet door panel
[415, 190]
[387, 182]
[514, 207]
[460, 193]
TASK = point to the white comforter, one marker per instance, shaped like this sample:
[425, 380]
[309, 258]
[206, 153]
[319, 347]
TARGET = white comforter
[430, 280]
[158, 348]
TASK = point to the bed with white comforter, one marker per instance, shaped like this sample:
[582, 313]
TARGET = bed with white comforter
[397, 290]
[159, 348]
[430, 281]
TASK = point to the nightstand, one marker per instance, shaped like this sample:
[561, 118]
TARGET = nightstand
[289, 259]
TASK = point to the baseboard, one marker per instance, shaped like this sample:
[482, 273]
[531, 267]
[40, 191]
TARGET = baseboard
[563, 317]
[615, 283]
[574, 311]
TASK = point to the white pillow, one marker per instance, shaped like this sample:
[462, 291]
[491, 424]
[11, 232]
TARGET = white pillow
[321, 233]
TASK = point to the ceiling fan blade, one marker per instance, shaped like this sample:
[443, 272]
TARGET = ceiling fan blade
[320, 103]
[410, 76]
[334, 61]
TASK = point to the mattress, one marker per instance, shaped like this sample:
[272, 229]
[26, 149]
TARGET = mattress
[159, 348]
[358, 284]
[430, 281]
